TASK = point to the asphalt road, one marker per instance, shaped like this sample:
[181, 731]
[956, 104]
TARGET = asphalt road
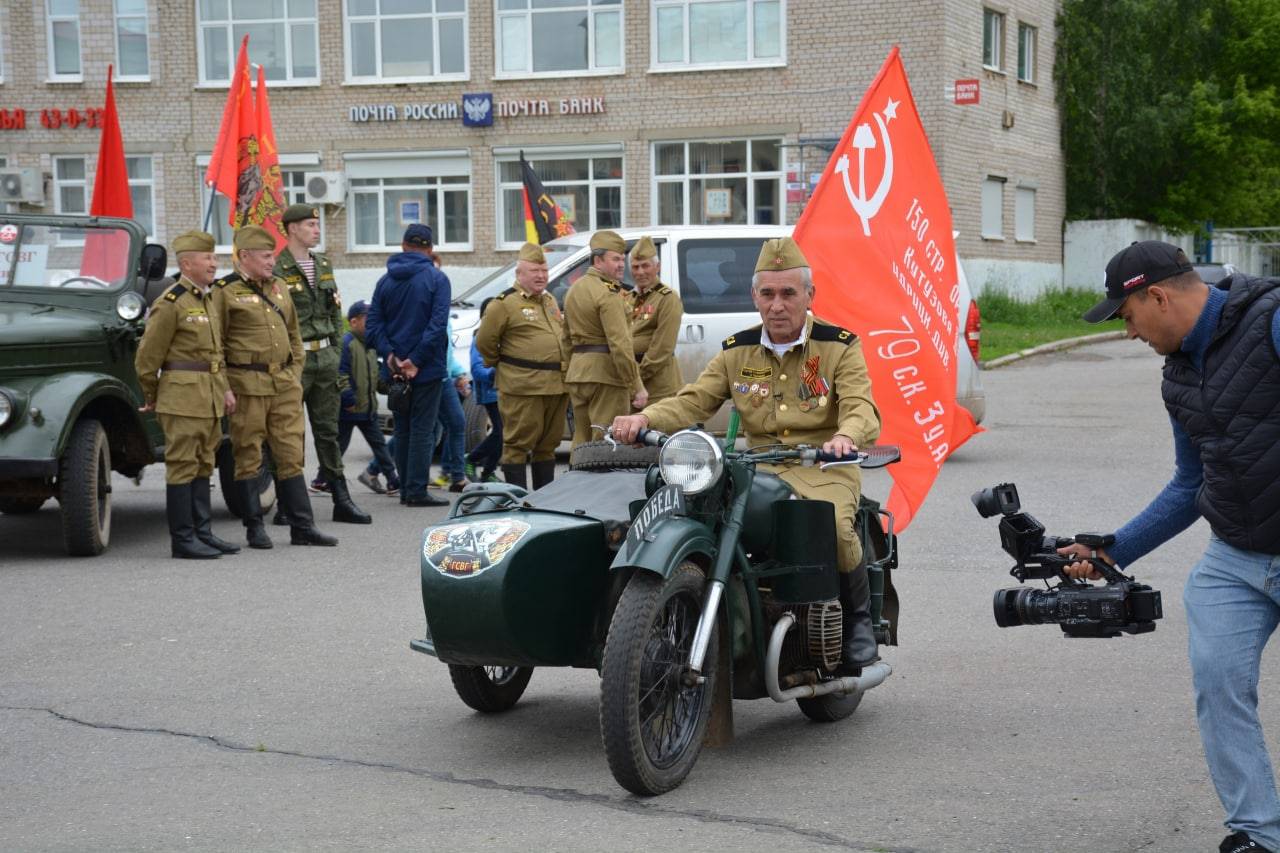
[269, 701]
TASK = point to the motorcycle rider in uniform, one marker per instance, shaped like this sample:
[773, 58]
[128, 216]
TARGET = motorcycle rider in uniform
[794, 380]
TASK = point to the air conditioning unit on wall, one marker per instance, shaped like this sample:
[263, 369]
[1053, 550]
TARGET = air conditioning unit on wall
[21, 185]
[325, 187]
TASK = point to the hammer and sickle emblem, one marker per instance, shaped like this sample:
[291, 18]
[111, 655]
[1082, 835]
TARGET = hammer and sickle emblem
[864, 140]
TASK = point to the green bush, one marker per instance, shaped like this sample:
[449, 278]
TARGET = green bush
[1010, 324]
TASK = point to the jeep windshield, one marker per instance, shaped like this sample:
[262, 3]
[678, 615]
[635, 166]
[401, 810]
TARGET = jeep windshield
[505, 276]
[63, 257]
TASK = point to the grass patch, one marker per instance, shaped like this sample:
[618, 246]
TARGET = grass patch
[1010, 324]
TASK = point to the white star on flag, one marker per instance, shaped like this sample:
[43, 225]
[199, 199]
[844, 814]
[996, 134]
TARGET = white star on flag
[891, 109]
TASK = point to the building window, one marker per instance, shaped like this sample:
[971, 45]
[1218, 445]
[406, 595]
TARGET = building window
[389, 193]
[736, 182]
[64, 40]
[293, 170]
[406, 40]
[992, 39]
[552, 37]
[993, 208]
[717, 33]
[586, 184]
[1026, 53]
[1024, 215]
[283, 35]
[142, 191]
[133, 60]
[70, 185]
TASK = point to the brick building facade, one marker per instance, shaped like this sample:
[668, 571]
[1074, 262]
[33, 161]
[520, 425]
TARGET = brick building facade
[633, 111]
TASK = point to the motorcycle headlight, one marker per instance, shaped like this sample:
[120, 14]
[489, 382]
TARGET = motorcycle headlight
[691, 460]
[130, 305]
[8, 407]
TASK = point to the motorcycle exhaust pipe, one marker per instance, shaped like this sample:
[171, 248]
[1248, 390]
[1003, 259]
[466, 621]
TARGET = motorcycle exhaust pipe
[872, 676]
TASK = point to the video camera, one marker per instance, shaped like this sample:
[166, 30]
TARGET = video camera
[1082, 610]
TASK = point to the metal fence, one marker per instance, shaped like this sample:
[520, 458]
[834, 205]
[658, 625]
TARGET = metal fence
[1252, 250]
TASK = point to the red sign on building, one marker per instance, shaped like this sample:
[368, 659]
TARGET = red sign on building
[966, 91]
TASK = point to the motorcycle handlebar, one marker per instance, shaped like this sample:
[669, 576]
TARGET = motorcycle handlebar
[651, 437]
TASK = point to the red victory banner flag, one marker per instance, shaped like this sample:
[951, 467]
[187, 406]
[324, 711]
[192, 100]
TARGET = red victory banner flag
[544, 220]
[877, 232]
[268, 209]
[106, 253]
[223, 174]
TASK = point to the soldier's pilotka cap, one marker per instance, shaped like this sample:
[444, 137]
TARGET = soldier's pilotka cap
[643, 249]
[253, 237]
[299, 212]
[358, 309]
[782, 253]
[608, 241]
[1133, 268]
[193, 241]
[532, 253]
[418, 234]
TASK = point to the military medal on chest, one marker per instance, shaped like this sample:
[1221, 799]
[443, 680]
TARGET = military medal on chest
[814, 390]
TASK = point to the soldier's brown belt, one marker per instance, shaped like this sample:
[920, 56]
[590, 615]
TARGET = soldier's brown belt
[316, 345]
[194, 366]
[260, 368]
[532, 365]
[591, 348]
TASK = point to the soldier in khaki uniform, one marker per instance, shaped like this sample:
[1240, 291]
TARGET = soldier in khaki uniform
[794, 380]
[521, 335]
[264, 358]
[603, 377]
[182, 342]
[656, 311]
[309, 277]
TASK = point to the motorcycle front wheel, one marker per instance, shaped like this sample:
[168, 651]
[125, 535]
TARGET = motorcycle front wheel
[652, 720]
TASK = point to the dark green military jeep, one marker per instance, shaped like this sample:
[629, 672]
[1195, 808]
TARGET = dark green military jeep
[73, 294]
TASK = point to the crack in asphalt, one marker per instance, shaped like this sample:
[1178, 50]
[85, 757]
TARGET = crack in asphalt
[629, 806]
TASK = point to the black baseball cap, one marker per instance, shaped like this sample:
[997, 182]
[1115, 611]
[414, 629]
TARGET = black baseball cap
[417, 234]
[358, 308]
[1138, 265]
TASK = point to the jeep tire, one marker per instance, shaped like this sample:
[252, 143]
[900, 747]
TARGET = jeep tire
[84, 486]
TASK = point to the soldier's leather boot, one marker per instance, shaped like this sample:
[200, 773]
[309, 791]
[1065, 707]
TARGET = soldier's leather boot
[254, 532]
[543, 472]
[858, 648]
[281, 518]
[514, 474]
[200, 517]
[182, 533]
[345, 509]
[302, 529]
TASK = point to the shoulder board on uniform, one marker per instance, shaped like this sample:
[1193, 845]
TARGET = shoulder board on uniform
[232, 278]
[612, 285]
[174, 292]
[662, 288]
[504, 294]
[825, 332]
[749, 337]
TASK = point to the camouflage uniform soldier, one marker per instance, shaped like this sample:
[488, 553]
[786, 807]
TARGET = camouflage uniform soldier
[656, 311]
[309, 277]
[520, 334]
[794, 380]
[183, 341]
[264, 355]
[603, 378]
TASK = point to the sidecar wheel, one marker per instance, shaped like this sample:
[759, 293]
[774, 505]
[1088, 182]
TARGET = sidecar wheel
[829, 709]
[490, 689]
[651, 721]
[603, 456]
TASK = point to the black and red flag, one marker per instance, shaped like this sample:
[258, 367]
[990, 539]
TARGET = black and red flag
[543, 219]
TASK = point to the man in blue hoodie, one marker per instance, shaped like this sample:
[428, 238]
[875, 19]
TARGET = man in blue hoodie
[407, 325]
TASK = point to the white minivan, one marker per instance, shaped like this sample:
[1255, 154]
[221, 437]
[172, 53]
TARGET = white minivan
[711, 267]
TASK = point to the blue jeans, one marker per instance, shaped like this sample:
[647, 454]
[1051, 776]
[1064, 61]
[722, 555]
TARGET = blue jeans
[454, 424]
[1233, 606]
[413, 439]
[372, 432]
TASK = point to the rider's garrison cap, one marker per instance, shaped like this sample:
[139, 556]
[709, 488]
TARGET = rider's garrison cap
[299, 212]
[781, 253]
[609, 241]
[643, 249]
[532, 253]
[193, 241]
[254, 237]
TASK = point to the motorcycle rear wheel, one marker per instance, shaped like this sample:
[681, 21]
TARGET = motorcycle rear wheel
[490, 689]
[652, 724]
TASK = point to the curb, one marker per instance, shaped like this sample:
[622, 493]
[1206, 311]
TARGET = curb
[1053, 346]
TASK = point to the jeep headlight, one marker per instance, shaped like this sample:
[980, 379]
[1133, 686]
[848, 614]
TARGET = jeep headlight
[691, 460]
[130, 305]
[7, 408]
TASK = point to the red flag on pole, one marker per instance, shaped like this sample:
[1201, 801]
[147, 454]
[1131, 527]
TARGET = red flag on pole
[106, 253]
[877, 231]
[268, 208]
[222, 173]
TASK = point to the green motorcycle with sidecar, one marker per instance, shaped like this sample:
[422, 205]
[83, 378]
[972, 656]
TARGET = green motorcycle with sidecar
[686, 584]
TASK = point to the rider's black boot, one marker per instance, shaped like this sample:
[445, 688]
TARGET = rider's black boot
[859, 647]
[255, 533]
[514, 474]
[302, 530]
[543, 472]
[345, 509]
[182, 534]
[200, 512]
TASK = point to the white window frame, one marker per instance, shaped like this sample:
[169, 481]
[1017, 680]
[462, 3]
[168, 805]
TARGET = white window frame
[146, 29]
[436, 76]
[305, 162]
[1028, 38]
[750, 174]
[442, 157]
[582, 6]
[86, 183]
[1024, 220]
[994, 183]
[993, 18]
[50, 19]
[150, 185]
[656, 67]
[233, 47]
[512, 155]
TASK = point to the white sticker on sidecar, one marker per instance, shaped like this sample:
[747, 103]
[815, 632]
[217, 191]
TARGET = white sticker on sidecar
[466, 550]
